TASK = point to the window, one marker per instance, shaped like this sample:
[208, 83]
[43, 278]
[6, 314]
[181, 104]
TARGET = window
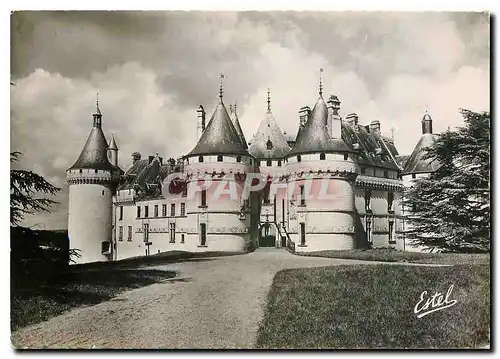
[322, 156]
[138, 211]
[368, 230]
[279, 163]
[299, 158]
[413, 175]
[146, 211]
[346, 156]
[302, 196]
[368, 195]
[164, 210]
[238, 158]
[269, 144]
[390, 201]
[363, 170]
[391, 230]
[172, 210]
[302, 234]
[204, 198]
[145, 228]
[203, 234]
[106, 247]
[219, 158]
[386, 174]
[200, 159]
[120, 216]
[269, 163]
[183, 209]
[257, 163]
[95, 171]
[81, 171]
[172, 232]
[129, 237]
[120, 233]
[102, 193]
[250, 161]
[182, 237]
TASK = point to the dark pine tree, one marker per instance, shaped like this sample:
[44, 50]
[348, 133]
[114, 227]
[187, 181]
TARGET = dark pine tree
[450, 210]
[24, 185]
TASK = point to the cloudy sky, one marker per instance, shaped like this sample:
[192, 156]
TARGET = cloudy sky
[153, 69]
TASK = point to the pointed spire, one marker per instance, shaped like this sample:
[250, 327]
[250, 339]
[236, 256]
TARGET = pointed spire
[112, 143]
[97, 116]
[320, 83]
[268, 100]
[221, 91]
[98, 111]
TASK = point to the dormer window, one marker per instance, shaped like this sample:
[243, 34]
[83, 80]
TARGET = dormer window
[219, 158]
[269, 144]
[322, 156]
[200, 159]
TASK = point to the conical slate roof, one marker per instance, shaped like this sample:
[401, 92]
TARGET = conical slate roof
[314, 136]
[95, 152]
[415, 163]
[220, 136]
[112, 144]
[236, 123]
[269, 132]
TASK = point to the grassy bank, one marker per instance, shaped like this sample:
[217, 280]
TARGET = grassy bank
[372, 307]
[392, 255]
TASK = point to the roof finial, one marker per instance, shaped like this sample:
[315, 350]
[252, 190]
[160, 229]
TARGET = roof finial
[98, 111]
[220, 89]
[320, 83]
[234, 108]
[268, 100]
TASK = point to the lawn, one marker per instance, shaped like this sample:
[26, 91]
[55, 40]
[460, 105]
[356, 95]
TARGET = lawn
[392, 255]
[373, 307]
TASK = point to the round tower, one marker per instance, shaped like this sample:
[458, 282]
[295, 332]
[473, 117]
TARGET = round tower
[216, 171]
[92, 181]
[322, 172]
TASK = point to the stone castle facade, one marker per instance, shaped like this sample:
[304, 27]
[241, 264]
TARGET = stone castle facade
[156, 206]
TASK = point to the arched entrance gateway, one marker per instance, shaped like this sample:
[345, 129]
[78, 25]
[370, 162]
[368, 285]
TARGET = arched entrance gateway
[267, 235]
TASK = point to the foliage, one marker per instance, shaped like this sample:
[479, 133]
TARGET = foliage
[450, 209]
[24, 185]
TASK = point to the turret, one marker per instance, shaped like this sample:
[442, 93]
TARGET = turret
[426, 123]
[92, 180]
[113, 151]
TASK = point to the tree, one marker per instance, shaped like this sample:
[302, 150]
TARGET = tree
[450, 209]
[24, 185]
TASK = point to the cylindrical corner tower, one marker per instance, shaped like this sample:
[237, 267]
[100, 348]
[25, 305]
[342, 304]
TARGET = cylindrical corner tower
[92, 180]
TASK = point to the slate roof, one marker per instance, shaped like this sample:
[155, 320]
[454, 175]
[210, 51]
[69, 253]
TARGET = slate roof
[112, 144]
[269, 131]
[220, 136]
[236, 123]
[314, 136]
[95, 152]
[415, 163]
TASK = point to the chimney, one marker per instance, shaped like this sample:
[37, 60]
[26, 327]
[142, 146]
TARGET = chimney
[304, 113]
[150, 159]
[200, 128]
[375, 127]
[136, 156]
[352, 118]
[334, 124]
[426, 123]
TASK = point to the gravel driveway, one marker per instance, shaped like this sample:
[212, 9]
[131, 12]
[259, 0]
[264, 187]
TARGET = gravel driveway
[213, 303]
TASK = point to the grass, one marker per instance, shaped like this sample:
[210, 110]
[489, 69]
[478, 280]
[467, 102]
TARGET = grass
[361, 306]
[392, 255]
